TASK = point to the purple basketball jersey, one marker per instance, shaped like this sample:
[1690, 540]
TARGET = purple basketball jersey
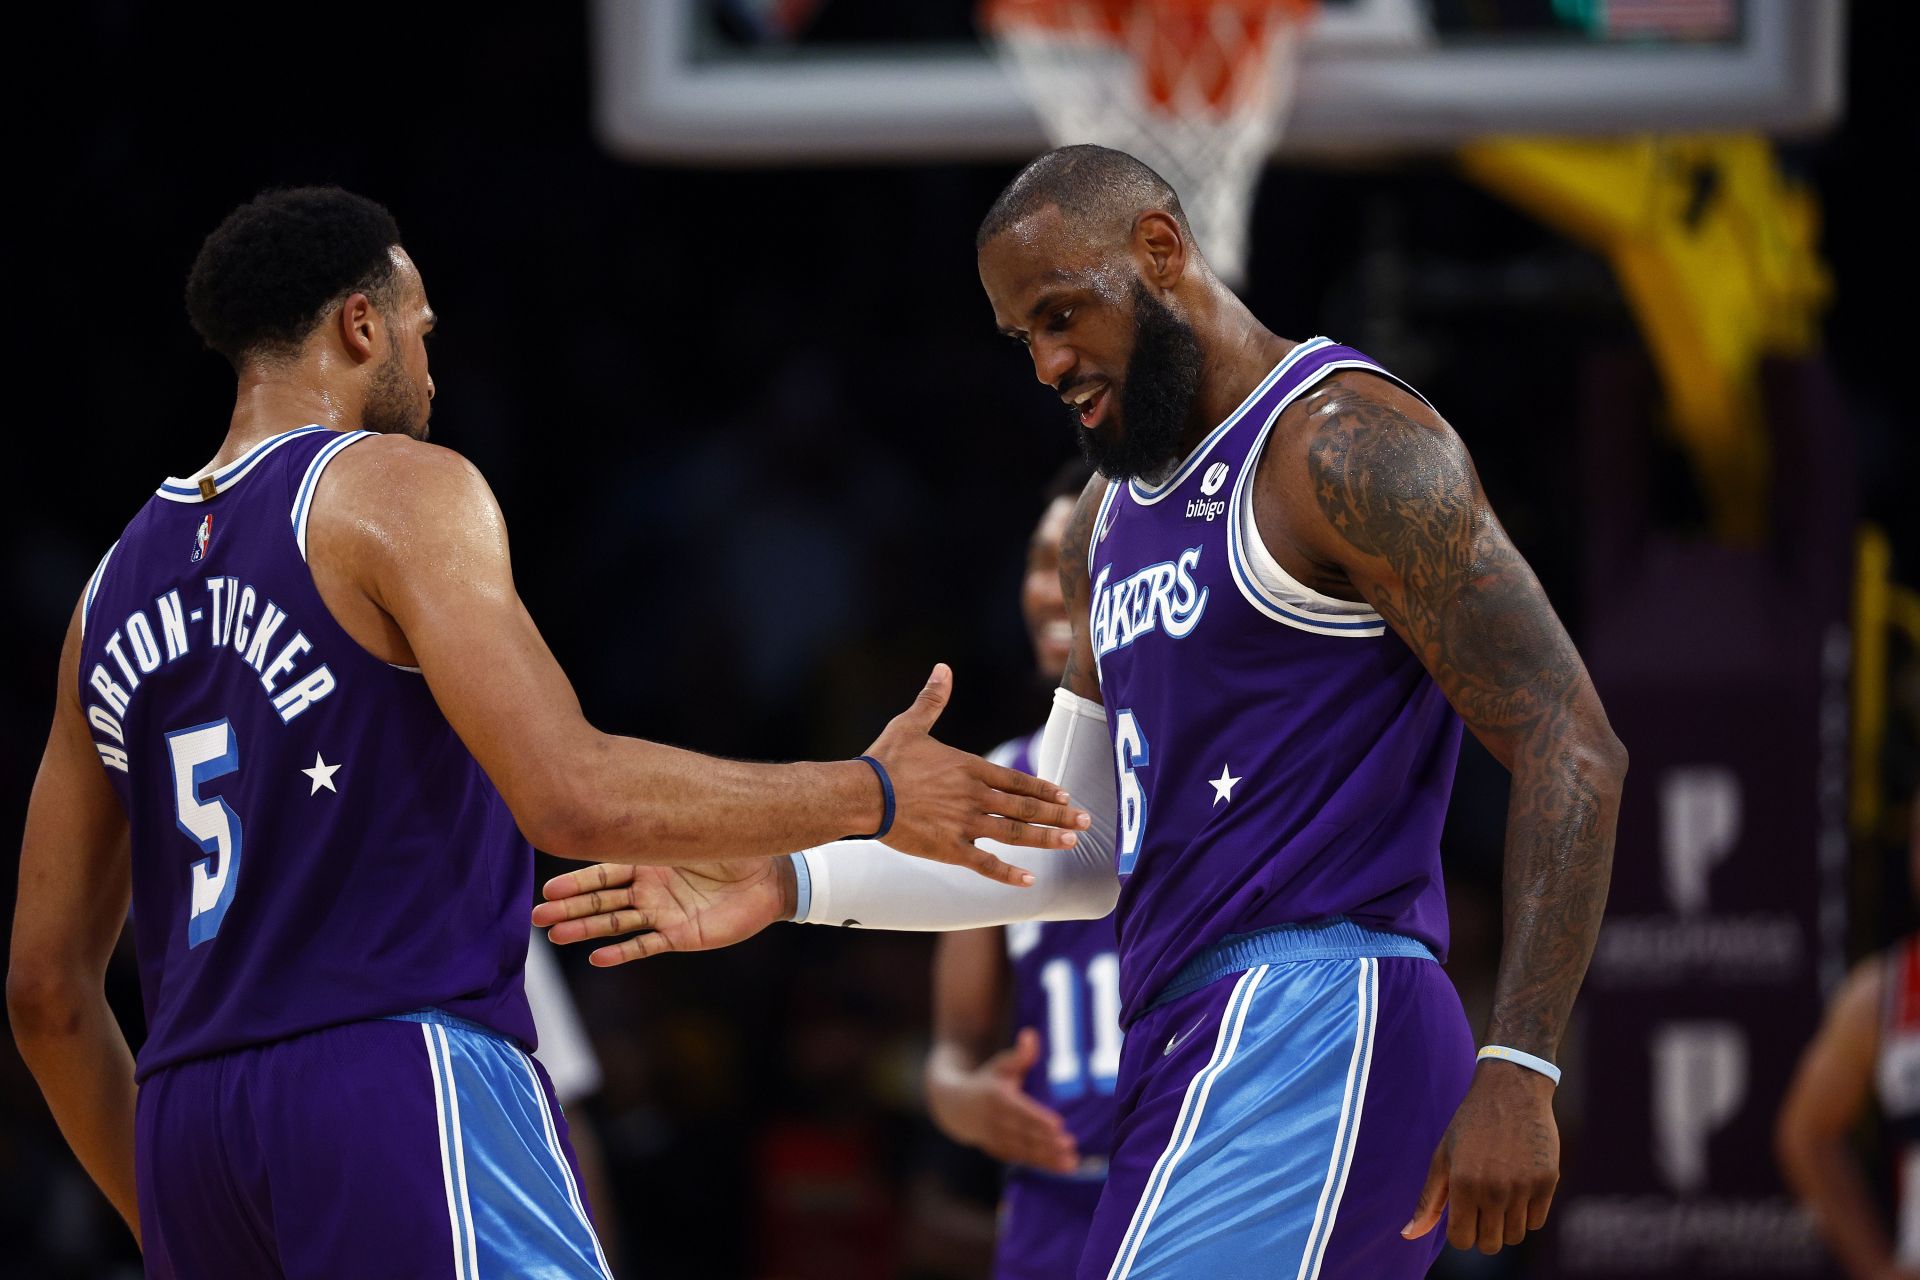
[1283, 757]
[312, 843]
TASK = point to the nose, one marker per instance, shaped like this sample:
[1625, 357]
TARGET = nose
[429, 387]
[1053, 361]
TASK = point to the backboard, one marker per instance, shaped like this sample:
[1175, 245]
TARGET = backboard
[803, 81]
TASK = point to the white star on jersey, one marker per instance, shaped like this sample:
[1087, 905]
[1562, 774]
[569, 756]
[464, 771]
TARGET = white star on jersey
[322, 775]
[1223, 786]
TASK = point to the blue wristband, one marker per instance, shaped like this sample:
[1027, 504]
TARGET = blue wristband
[886, 799]
[1501, 1053]
[802, 887]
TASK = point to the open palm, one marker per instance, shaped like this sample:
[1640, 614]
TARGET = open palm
[696, 908]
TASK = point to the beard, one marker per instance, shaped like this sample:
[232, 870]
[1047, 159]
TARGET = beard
[395, 406]
[1161, 384]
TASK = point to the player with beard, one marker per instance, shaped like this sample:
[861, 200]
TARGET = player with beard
[1043, 1105]
[302, 723]
[1288, 594]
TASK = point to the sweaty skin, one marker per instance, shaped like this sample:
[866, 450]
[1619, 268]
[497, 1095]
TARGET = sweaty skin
[1366, 494]
[409, 552]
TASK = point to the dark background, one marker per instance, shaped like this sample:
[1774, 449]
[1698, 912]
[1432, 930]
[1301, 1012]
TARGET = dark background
[764, 461]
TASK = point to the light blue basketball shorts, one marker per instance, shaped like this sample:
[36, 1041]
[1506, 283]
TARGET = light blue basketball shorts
[1279, 1108]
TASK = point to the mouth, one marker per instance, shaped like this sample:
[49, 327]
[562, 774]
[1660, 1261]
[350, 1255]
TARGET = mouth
[1058, 633]
[1088, 404]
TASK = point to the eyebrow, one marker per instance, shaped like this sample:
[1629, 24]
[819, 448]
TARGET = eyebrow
[1047, 299]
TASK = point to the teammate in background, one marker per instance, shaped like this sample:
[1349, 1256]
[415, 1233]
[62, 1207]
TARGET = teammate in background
[1045, 1105]
[1867, 1047]
[302, 722]
[1287, 594]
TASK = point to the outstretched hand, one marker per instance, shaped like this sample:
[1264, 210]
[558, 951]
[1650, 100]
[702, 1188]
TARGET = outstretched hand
[946, 799]
[699, 908]
[1495, 1171]
[987, 1108]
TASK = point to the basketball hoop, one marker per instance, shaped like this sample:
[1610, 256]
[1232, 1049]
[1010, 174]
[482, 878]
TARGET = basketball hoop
[1197, 89]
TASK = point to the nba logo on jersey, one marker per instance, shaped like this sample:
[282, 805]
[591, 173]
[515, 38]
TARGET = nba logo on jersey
[202, 536]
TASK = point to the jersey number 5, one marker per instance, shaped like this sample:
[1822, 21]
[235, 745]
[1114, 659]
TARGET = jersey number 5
[201, 754]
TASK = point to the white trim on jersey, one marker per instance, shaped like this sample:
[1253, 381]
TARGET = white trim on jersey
[1147, 497]
[176, 489]
[303, 496]
[1263, 583]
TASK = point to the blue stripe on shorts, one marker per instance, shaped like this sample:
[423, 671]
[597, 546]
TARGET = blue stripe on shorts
[513, 1207]
[1266, 1130]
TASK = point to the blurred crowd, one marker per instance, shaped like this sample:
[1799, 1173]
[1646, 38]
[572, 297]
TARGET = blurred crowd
[765, 461]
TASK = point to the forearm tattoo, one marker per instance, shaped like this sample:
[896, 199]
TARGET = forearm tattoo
[1074, 546]
[1460, 595]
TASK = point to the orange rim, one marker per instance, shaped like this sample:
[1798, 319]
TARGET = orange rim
[1183, 48]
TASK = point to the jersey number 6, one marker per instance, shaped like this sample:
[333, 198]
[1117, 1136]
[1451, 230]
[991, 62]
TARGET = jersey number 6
[201, 754]
[1130, 753]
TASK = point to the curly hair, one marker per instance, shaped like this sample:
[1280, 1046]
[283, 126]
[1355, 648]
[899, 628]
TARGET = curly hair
[273, 266]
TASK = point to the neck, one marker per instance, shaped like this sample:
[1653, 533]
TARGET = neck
[1238, 351]
[269, 401]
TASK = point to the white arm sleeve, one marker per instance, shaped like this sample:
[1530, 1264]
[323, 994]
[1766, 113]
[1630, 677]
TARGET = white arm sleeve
[864, 883]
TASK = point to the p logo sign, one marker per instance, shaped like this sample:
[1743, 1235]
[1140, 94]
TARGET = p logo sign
[1699, 1082]
[1699, 826]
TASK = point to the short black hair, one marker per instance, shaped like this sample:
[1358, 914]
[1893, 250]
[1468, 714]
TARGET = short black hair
[262, 280]
[1088, 184]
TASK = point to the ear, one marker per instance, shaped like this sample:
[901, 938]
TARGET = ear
[359, 326]
[1161, 247]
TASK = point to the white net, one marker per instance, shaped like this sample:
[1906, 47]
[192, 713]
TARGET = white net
[1196, 89]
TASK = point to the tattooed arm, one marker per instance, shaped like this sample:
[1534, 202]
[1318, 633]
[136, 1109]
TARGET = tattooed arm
[1378, 492]
[1081, 677]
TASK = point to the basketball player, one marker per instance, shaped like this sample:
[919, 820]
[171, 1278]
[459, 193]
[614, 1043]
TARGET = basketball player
[1868, 1047]
[1044, 1105]
[305, 724]
[1288, 593]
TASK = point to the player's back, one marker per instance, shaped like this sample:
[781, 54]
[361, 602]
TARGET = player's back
[312, 844]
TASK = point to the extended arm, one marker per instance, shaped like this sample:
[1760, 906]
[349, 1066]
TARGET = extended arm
[415, 532]
[861, 882]
[851, 882]
[75, 884]
[974, 1086]
[1401, 514]
[1824, 1103]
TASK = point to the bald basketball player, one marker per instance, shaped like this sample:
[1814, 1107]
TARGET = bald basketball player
[1288, 593]
[305, 724]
